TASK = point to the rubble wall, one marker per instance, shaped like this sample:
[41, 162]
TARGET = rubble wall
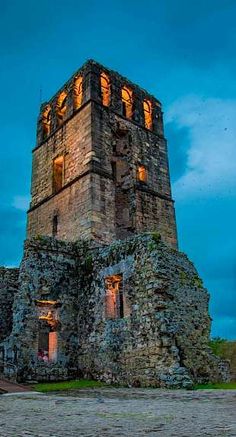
[164, 340]
[159, 339]
[8, 288]
[47, 274]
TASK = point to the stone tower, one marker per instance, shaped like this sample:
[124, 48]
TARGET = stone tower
[129, 310]
[100, 166]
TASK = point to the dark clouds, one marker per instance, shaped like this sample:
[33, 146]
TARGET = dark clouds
[178, 144]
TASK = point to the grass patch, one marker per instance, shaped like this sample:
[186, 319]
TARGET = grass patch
[77, 384]
[218, 385]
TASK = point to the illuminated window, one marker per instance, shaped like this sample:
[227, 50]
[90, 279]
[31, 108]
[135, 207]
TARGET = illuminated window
[47, 332]
[147, 109]
[78, 92]
[58, 173]
[46, 120]
[105, 89]
[61, 106]
[142, 174]
[114, 297]
[127, 102]
[52, 346]
[47, 345]
[54, 225]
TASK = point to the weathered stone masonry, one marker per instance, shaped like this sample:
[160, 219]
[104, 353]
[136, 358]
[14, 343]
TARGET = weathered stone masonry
[162, 339]
[102, 149]
[8, 288]
[102, 290]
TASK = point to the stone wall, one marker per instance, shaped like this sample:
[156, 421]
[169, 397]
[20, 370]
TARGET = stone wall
[72, 206]
[47, 274]
[164, 341]
[101, 196]
[160, 338]
[8, 288]
[72, 203]
[131, 206]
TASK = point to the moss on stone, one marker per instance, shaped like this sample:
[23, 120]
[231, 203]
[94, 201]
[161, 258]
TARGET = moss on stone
[197, 282]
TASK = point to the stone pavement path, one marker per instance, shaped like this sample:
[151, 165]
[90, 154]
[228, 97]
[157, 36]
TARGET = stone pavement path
[120, 412]
[11, 387]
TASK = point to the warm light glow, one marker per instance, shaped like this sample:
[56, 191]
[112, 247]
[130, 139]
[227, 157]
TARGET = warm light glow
[49, 318]
[52, 346]
[47, 346]
[147, 109]
[46, 302]
[78, 92]
[142, 174]
[127, 102]
[58, 173]
[46, 120]
[61, 106]
[47, 336]
[114, 297]
[105, 89]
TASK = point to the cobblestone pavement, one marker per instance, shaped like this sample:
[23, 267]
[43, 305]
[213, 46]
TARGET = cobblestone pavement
[119, 412]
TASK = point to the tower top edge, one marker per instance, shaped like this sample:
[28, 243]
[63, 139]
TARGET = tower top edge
[90, 65]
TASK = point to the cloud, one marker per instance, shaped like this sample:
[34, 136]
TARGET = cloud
[178, 144]
[205, 190]
[21, 202]
[211, 156]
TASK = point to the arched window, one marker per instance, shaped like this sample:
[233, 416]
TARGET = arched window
[105, 89]
[61, 106]
[142, 174]
[46, 120]
[78, 92]
[147, 109]
[127, 102]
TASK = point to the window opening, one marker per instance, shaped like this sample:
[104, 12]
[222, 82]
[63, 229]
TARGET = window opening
[142, 174]
[78, 92]
[105, 89]
[54, 225]
[52, 346]
[47, 336]
[46, 121]
[127, 102]
[61, 106]
[147, 109]
[58, 173]
[114, 308]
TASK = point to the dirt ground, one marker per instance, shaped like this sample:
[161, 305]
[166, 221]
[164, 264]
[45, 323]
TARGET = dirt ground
[119, 412]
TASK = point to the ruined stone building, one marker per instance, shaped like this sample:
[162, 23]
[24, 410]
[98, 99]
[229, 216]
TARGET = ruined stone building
[102, 290]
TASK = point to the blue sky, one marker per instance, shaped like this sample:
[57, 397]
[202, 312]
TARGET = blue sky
[184, 52]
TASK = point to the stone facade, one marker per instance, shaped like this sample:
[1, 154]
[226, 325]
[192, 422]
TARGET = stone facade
[102, 150]
[8, 288]
[102, 290]
[160, 339]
